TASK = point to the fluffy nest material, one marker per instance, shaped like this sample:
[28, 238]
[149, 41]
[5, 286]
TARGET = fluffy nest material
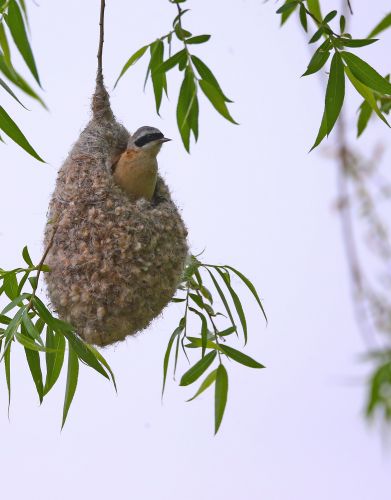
[115, 263]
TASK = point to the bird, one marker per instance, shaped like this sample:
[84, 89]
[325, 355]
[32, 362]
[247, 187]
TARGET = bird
[135, 170]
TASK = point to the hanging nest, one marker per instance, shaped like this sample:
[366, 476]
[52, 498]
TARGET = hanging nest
[115, 263]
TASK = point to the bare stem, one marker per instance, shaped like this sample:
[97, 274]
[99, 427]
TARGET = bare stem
[101, 37]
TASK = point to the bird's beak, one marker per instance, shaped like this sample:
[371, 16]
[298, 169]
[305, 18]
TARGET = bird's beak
[165, 139]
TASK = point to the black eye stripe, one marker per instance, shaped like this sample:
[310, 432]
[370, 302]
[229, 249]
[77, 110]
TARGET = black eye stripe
[148, 138]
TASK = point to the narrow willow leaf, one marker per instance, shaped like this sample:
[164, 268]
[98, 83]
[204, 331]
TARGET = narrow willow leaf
[322, 132]
[159, 82]
[35, 370]
[103, 361]
[237, 303]
[30, 327]
[19, 81]
[288, 12]
[10, 92]
[179, 16]
[205, 384]
[349, 42]
[342, 24]
[196, 342]
[132, 60]
[222, 297]
[221, 394]
[317, 35]
[240, 357]
[206, 74]
[7, 367]
[215, 98]
[5, 46]
[174, 335]
[10, 128]
[10, 284]
[26, 257]
[28, 343]
[17, 28]
[195, 372]
[204, 329]
[16, 302]
[177, 300]
[198, 39]
[12, 329]
[366, 74]
[226, 332]
[250, 286]
[72, 377]
[22, 282]
[54, 360]
[314, 7]
[366, 93]
[4, 320]
[186, 100]
[303, 17]
[363, 117]
[335, 91]
[384, 24]
[319, 59]
[287, 6]
[172, 61]
[330, 16]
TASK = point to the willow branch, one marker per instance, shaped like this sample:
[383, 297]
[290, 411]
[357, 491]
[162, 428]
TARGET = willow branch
[101, 37]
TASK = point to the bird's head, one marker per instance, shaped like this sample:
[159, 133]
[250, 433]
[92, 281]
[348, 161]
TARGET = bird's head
[147, 139]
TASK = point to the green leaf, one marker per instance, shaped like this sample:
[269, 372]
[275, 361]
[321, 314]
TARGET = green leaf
[179, 16]
[204, 329]
[132, 60]
[342, 24]
[159, 82]
[16, 302]
[35, 369]
[206, 74]
[303, 17]
[319, 59]
[26, 257]
[11, 286]
[250, 286]
[288, 12]
[240, 357]
[30, 327]
[330, 16]
[317, 35]
[366, 93]
[72, 377]
[28, 343]
[54, 360]
[198, 39]
[287, 6]
[314, 7]
[384, 24]
[216, 100]
[366, 74]
[5, 46]
[335, 92]
[7, 367]
[363, 117]
[236, 301]
[19, 81]
[174, 335]
[227, 331]
[10, 92]
[322, 132]
[172, 61]
[186, 107]
[198, 369]
[349, 42]
[17, 28]
[10, 128]
[196, 342]
[221, 394]
[222, 297]
[103, 361]
[205, 384]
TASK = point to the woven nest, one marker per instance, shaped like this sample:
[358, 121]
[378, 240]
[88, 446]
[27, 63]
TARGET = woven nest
[115, 263]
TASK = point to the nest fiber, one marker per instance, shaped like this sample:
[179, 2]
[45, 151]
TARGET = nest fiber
[115, 263]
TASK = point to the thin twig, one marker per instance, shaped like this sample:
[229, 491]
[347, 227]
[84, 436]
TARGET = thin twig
[101, 37]
[350, 7]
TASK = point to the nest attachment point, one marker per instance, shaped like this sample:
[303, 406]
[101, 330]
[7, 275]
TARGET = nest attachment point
[115, 263]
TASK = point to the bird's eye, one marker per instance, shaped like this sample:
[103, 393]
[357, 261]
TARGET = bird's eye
[145, 139]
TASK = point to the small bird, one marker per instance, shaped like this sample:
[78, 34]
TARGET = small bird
[135, 171]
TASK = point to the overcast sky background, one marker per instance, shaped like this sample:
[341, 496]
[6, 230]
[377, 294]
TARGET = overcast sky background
[254, 198]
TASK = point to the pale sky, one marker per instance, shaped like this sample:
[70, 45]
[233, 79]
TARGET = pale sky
[254, 198]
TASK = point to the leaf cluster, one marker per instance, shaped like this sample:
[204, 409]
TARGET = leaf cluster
[26, 321]
[14, 30]
[196, 75]
[211, 343]
[345, 65]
